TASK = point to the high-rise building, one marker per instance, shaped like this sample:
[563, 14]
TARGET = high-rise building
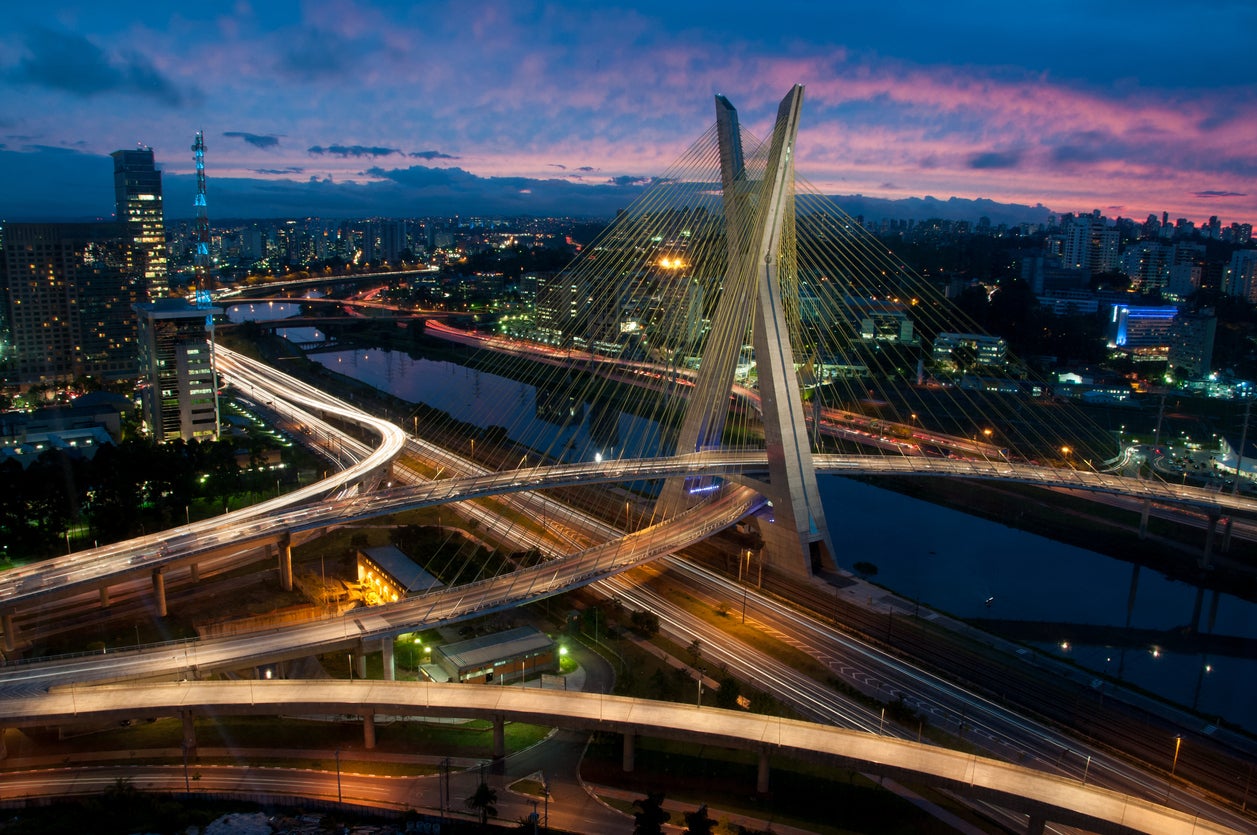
[1240, 277]
[1191, 344]
[180, 395]
[67, 294]
[137, 196]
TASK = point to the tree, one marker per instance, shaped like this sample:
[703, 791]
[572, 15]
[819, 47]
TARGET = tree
[650, 817]
[645, 624]
[864, 569]
[695, 651]
[698, 823]
[484, 802]
[728, 693]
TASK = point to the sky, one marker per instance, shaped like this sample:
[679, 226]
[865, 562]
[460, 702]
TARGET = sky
[374, 107]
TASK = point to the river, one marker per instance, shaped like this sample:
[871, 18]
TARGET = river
[945, 559]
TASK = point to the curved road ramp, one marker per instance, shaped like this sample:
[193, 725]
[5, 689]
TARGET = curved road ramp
[1042, 796]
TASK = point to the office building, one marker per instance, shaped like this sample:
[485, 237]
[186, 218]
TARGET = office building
[67, 294]
[1141, 331]
[137, 195]
[1191, 344]
[179, 394]
[963, 351]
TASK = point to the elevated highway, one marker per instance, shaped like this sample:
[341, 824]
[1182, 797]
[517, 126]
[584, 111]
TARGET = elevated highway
[275, 519]
[1041, 796]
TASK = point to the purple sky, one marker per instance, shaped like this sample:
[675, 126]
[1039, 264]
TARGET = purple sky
[395, 108]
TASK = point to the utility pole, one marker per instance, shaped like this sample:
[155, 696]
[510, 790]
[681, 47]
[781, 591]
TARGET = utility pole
[1239, 453]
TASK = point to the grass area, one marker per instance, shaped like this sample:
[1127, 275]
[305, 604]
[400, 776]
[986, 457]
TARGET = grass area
[530, 787]
[283, 741]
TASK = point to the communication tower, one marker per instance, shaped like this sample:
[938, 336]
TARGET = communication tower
[202, 236]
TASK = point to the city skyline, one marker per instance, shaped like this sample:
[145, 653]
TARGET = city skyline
[381, 108]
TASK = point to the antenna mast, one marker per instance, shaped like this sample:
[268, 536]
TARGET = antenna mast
[202, 257]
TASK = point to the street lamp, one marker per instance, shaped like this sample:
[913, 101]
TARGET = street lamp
[338, 794]
[1178, 743]
[747, 562]
[1200, 680]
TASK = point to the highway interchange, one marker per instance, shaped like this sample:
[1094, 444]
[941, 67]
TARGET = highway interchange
[89, 570]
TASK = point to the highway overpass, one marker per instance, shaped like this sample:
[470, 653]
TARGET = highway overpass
[1043, 797]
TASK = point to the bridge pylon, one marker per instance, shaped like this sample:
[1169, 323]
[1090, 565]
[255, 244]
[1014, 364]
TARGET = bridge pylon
[760, 241]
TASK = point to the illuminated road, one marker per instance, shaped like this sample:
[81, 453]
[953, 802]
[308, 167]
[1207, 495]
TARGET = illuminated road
[1060, 799]
[94, 567]
[512, 590]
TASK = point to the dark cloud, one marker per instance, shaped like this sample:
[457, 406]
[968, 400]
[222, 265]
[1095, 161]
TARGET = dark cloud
[1083, 147]
[556, 165]
[47, 183]
[75, 65]
[292, 169]
[262, 140]
[354, 150]
[1070, 154]
[587, 169]
[995, 159]
[430, 155]
[315, 53]
[628, 180]
[1211, 194]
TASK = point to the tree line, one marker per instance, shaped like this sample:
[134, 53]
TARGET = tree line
[125, 490]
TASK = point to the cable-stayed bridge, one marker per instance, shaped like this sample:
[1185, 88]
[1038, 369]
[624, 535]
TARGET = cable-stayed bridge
[731, 324]
[713, 341]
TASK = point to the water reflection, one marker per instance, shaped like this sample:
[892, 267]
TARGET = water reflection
[956, 563]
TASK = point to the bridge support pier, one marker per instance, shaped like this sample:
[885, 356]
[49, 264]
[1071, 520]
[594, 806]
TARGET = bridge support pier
[368, 729]
[1143, 519]
[285, 562]
[1206, 556]
[159, 589]
[1036, 825]
[390, 665]
[627, 758]
[104, 597]
[499, 737]
[1197, 608]
[6, 624]
[360, 663]
[1226, 536]
[761, 776]
[4, 749]
[194, 572]
[189, 733]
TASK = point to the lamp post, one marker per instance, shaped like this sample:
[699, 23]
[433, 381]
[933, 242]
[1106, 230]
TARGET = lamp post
[338, 794]
[1178, 743]
[1200, 680]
